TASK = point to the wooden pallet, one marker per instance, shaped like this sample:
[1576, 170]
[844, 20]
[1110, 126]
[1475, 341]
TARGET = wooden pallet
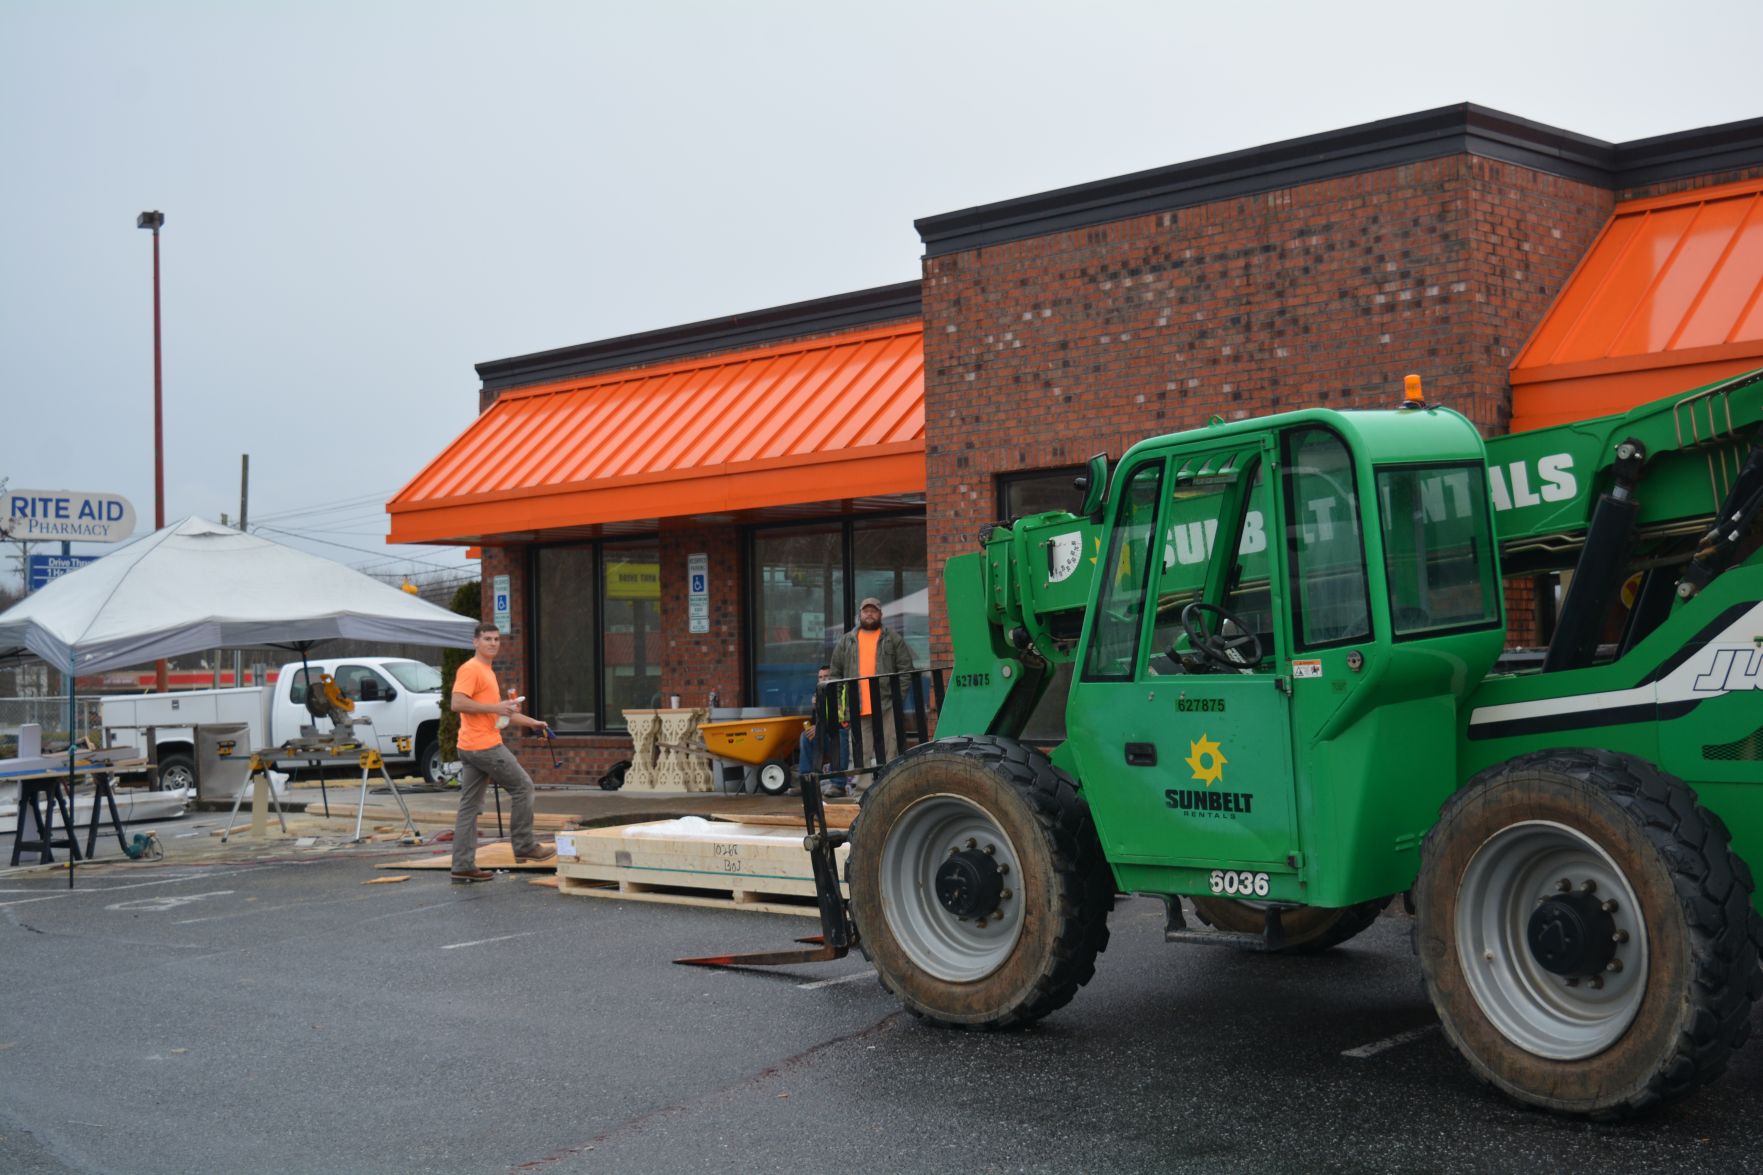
[707, 863]
[756, 901]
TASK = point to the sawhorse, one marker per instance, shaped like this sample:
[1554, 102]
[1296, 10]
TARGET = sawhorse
[34, 795]
[259, 771]
[371, 761]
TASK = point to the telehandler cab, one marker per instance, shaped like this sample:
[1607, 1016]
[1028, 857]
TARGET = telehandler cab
[1283, 707]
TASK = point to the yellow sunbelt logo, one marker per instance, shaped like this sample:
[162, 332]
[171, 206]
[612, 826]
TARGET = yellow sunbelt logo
[1207, 759]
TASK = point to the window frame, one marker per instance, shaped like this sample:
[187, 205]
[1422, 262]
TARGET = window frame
[847, 527]
[1160, 462]
[1004, 481]
[536, 632]
[1496, 589]
[1295, 564]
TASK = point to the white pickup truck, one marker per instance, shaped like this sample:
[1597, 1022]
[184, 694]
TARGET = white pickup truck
[401, 697]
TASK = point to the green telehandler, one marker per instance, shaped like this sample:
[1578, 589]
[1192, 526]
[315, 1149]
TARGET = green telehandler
[1286, 705]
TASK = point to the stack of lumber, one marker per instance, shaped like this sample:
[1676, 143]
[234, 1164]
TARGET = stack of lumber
[692, 861]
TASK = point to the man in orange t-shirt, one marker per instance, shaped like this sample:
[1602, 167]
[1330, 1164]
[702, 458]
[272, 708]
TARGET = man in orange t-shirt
[479, 703]
[872, 650]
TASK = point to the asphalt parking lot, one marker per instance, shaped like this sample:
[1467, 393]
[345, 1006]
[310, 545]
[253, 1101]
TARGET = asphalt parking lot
[276, 1014]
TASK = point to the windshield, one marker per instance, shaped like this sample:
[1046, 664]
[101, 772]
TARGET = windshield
[415, 676]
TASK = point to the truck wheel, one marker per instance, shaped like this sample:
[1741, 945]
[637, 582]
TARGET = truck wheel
[978, 884]
[1586, 933]
[175, 771]
[428, 758]
[1309, 930]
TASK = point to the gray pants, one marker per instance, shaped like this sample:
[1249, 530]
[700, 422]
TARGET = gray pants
[499, 764]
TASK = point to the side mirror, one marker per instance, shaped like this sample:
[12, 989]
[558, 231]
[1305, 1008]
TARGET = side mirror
[370, 689]
[1093, 484]
[390, 694]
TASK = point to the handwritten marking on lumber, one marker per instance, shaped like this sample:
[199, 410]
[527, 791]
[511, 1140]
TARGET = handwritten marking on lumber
[840, 979]
[478, 942]
[1388, 1042]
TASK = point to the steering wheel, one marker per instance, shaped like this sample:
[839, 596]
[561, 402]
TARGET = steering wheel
[1227, 652]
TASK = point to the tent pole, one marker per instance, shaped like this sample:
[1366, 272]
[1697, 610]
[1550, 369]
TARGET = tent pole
[73, 853]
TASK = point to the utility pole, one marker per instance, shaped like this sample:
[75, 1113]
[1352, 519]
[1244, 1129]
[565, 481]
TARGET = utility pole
[244, 496]
[155, 221]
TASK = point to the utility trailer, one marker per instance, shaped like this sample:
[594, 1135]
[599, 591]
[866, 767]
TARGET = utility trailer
[1283, 709]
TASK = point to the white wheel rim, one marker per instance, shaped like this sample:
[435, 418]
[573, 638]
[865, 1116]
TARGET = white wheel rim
[1539, 1011]
[956, 950]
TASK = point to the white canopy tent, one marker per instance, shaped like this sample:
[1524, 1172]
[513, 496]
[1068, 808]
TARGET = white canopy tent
[196, 585]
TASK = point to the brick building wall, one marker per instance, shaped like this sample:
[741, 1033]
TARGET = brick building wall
[1039, 352]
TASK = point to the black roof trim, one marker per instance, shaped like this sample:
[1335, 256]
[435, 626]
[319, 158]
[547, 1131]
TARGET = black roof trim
[749, 329]
[1682, 154]
[1464, 128]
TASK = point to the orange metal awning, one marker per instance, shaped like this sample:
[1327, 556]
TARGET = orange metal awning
[801, 422]
[1666, 299]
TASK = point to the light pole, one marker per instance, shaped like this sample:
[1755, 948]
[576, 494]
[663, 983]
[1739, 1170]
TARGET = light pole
[154, 220]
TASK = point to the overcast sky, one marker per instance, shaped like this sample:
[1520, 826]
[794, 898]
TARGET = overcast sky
[364, 199]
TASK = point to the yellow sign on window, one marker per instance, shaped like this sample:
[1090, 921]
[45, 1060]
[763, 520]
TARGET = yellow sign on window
[633, 581]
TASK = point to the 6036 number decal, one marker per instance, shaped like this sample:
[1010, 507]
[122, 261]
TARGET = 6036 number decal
[1239, 882]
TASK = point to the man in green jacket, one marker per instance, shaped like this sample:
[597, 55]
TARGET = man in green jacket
[867, 651]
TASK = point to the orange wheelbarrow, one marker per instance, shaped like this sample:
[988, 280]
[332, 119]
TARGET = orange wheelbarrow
[766, 743]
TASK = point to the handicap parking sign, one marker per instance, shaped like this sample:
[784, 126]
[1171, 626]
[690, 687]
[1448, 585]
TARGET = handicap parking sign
[698, 584]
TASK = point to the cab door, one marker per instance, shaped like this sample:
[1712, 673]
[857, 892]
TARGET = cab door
[1185, 757]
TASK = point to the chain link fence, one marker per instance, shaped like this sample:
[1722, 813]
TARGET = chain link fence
[49, 713]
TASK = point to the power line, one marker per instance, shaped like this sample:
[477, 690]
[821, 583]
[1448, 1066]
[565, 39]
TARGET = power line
[347, 547]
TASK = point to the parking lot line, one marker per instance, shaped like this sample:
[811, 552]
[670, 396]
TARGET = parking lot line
[478, 942]
[840, 979]
[1388, 1042]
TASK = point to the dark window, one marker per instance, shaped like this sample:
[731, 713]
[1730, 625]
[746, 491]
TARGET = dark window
[1331, 601]
[630, 652]
[1438, 549]
[806, 583]
[1023, 494]
[596, 634]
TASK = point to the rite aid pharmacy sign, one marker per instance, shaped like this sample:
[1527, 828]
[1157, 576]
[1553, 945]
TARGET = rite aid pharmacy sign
[67, 516]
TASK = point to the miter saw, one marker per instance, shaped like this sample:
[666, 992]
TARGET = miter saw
[325, 700]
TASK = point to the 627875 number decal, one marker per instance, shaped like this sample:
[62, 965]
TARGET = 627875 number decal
[1239, 882]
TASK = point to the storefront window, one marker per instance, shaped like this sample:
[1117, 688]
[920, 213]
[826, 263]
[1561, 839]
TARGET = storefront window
[631, 636]
[799, 604]
[888, 560]
[807, 581]
[567, 629]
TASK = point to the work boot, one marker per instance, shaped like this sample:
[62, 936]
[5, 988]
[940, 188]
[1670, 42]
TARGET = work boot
[832, 791]
[472, 876]
[541, 853]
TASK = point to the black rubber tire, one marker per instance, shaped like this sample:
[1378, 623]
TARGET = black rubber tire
[174, 766]
[1063, 874]
[1695, 899]
[1309, 930]
[428, 760]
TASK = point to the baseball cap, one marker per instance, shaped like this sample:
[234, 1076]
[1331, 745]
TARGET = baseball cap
[869, 601]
